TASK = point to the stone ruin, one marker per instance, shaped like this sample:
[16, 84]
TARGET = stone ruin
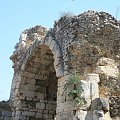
[43, 60]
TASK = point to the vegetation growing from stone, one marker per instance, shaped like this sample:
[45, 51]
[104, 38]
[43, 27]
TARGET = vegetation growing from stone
[75, 92]
[88, 44]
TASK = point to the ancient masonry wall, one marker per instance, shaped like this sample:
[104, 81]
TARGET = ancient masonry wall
[5, 111]
[87, 44]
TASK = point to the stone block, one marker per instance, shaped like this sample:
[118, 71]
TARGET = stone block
[88, 90]
[60, 107]
[28, 93]
[40, 106]
[100, 104]
[59, 71]
[45, 116]
[61, 81]
[68, 115]
[46, 111]
[107, 116]
[50, 106]
[106, 70]
[94, 91]
[40, 89]
[101, 115]
[38, 115]
[28, 74]
[98, 115]
[52, 112]
[39, 95]
[6, 113]
[92, 77]
[69, 106]
[80, 115]
[21, 117]
[84, 93]
[27, 113]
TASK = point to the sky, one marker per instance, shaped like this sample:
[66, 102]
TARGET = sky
[18, 15]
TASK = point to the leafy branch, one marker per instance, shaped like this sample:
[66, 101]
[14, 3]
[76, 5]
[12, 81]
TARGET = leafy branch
[75, 92]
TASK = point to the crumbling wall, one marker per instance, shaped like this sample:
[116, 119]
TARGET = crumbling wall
[34, 88]
[87, 44]
[91, 44]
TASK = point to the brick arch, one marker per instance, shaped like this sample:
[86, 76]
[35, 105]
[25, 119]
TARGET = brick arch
[55, 49]
[37, 89]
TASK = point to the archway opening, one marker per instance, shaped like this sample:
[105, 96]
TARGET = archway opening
[38, 87]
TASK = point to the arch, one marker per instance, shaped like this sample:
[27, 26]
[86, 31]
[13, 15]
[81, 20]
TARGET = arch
[37, 91]
[57, 53]
[55, 49]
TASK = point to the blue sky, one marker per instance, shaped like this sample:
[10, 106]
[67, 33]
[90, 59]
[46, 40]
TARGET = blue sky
[17, 15]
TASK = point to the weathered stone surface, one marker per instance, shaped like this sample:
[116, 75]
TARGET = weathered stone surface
[40, 106]
[27, 113]
[87, 44]
[100, 104]
[5, 111]
[115, 106]
[88, 91]
[38, 115]
[81, 115]
[64, 116]
[100, 115]
[108, 67]
[92, 77]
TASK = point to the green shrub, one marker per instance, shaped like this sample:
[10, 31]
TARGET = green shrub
[75, 92]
